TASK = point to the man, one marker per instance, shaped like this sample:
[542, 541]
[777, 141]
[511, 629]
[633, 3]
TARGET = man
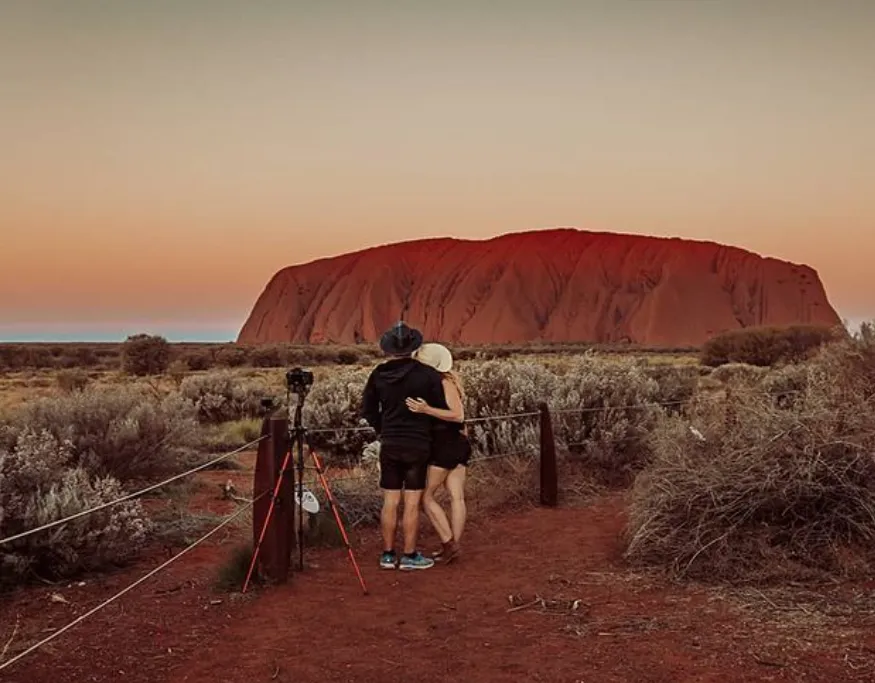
[405, 439]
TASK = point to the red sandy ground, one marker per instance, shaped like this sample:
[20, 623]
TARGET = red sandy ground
[449, 623]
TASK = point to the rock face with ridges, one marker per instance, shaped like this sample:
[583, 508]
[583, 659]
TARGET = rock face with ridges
[554, 285]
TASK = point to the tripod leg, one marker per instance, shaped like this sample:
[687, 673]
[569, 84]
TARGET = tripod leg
[332, 504]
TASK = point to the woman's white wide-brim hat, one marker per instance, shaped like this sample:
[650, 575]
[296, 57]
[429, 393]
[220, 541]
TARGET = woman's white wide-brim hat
[437, 356]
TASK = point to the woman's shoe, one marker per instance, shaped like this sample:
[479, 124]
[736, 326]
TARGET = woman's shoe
[449, 551]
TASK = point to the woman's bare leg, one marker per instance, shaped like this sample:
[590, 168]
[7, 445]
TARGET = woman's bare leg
[433, 510]
[458, 509]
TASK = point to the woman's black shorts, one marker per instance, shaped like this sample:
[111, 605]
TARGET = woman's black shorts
[449, 450]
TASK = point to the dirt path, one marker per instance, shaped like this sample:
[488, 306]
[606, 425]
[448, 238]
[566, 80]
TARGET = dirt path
[453, 623]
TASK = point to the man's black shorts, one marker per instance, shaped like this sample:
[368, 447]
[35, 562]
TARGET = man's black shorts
[403, 467]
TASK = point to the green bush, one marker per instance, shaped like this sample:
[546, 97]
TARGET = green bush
[143, 354]
[766, 346]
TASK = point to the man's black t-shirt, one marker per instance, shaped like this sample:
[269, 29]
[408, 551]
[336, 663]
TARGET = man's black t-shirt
[383, 406]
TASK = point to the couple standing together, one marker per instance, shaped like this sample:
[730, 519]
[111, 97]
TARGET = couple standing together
[414, 402]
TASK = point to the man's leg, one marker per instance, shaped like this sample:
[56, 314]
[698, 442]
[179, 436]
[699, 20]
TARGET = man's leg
[391, 481]
[414, 485]
[410, 522]
[389, 519]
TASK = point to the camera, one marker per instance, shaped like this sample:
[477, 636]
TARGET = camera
[299, 381]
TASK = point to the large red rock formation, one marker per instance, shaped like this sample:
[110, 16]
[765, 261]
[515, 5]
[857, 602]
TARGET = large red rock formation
[556, 285]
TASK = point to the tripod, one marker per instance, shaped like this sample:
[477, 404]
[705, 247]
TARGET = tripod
[299, 382]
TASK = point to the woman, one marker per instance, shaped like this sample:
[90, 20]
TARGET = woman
[450, 452]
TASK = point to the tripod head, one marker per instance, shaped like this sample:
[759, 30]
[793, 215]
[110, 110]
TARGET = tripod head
[298, 382]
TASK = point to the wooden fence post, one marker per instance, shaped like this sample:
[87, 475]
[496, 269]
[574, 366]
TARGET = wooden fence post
[275, 554]
[549, 472]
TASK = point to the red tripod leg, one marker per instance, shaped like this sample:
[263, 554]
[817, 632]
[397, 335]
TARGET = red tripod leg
[276, 491]
[333, 505]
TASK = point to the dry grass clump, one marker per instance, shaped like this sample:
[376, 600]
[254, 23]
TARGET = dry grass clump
[40, 482]
[767, 492]
[125, 432]
[229, 436]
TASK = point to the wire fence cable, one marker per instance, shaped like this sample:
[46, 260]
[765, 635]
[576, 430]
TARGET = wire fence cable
[230, 518]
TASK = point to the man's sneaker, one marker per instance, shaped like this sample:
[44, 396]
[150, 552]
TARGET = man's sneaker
[388, 561]
[415, 561]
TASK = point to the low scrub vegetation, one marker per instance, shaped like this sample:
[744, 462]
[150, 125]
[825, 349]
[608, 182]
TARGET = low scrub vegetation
[742, 472]
[223, 396]
[767, 346]
[603, 409]
[124, 431]
[764, 488]
[41, 481]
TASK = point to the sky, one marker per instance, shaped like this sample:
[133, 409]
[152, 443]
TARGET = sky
[160, 161]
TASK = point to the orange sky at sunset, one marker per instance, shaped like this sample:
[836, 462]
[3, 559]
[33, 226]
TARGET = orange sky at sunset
[161, 160]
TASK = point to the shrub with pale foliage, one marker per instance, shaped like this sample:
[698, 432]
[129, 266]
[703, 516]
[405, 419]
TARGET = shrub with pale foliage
[223, 396]
[125, 432]
[41, 482]
[618, 398]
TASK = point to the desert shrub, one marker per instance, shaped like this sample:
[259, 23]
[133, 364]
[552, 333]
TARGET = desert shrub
[21, 356]
[335, 402]
[198, 361]
[676, 383]
[177, 371]
[603, 413]
[767, 345]
[499, 388]
[738, 373]
[348, 357]
[144, 354]
[618, 399]
[763, 492]
[77, 357]
[232, 356]
[267, 357]
[786, 383]
[223, 396]
[123, 431]
[72, 380]
[39, 483]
